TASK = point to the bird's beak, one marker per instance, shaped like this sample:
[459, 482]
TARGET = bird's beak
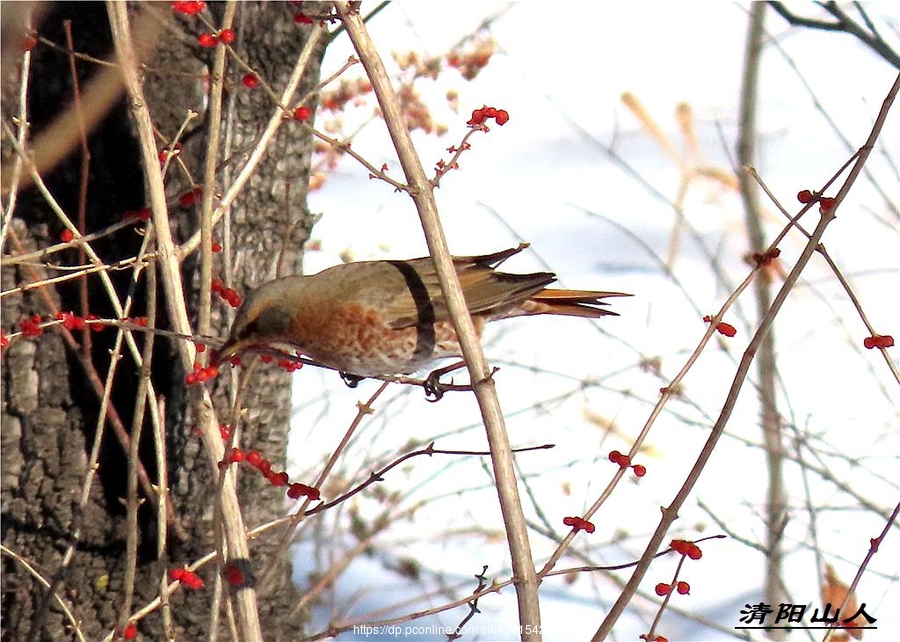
[228, 350]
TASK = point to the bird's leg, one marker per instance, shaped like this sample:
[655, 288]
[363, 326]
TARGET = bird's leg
[351, 380]
[434, 388]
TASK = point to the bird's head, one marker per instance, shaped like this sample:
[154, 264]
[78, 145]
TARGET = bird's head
[263, 319]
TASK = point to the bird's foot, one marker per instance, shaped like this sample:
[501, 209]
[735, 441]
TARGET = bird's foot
[351, 380]
[435, 388]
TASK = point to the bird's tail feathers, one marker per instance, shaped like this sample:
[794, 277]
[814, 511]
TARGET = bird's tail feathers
[573, 303]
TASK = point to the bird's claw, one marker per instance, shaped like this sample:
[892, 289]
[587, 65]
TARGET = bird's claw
[434, 388]
[351, 380]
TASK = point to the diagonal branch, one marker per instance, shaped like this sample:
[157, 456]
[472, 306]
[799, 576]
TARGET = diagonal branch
[422, 193]
[671, 512]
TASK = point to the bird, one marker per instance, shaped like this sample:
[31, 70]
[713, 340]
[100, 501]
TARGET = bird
[389, 317]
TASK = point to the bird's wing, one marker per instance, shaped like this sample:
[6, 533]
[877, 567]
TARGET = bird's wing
[484, 288]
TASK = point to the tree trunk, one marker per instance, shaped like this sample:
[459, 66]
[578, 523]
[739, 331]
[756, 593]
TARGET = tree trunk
[50, 406]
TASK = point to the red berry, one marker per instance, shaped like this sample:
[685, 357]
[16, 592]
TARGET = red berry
[227, 36]
[878, 341]
[216, 247]
[302, 113]
[97, 326]
[726, 328]
[297, 490]
[302, 19]
[502, 117]
[66, 236]
[32, 327]
[826, 204]
[679, 546]
[233, 575]
[250, 80]
[663, 589]
[639, 470]
[188, 8]
[805, 196]
[187, 199]
[130, 632]
[683, 588]
[207, 39]
[278, 479]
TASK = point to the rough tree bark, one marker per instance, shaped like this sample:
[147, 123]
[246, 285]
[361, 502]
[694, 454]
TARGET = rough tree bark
[49, 411]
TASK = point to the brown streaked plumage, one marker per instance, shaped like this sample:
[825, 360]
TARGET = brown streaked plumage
[389, 317]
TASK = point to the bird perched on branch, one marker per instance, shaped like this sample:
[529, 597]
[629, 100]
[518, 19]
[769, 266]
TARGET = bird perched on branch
[374, 318]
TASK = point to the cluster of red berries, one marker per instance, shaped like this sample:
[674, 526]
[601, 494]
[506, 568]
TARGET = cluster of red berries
[209, 40]
[721, 327]
[32, 327]
[72, 321]
[878, 341]
[227, 294]
[188, 8]
[500, 116]
[264, 466]
[471, 62]
[579, 524]
[683, 588]
[624, 461]
[684, 547]
[288, 365]
[200, 374]
[826, 203]
[186, 578]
